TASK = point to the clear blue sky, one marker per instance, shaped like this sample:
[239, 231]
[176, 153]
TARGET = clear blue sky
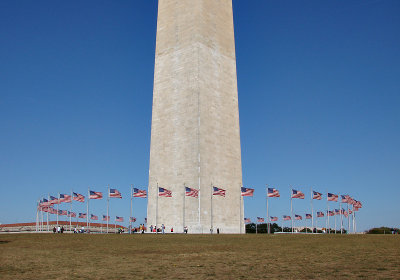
[319, 100]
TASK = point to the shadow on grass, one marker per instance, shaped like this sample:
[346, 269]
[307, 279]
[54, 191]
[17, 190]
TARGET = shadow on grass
[4, 241]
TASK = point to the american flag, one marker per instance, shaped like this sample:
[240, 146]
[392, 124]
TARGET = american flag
[273, 219]
[272, 192]
[351, 200]
[286, 218]
[115, 193]
[95, 195]
[247, 220]
[298, 217]
[139, 193]
[164, 192]
[71, 214]
[191, 192]
[247, 191]
[345, 198]
[297, 194]
[317, 195]
[330, 213]
[93, 217]
[62, 212]
[106, 218]
[52, 210]
[82, 216]
[44, 202]
[260, 220]
[350, 212]
[43, 208]
[218, 191]
[78, 197]
[337, 212]
[119, 219]
[332, 197]
[65, 198]
[308, 216]
[53, 200]
[345, 213]
[132, 219]
[320, 214]
[358, 204]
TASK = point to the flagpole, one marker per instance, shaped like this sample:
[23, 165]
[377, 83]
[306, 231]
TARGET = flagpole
[200, 227]
[108, 206]
[38, 214]
[341, 217]
[70, 214]
[87, 209]
[41, 211]
[335, 224]
[58, 202]
[268, 221]
[240, 209]
[158, 193]
[184, 201]
[354, 221]
[291, 207]
[130, 218]
[41, 217]
[211, 228]
[327, 214]
[305, 219]
[48, 228]
[352, 207]
[348, 219]
[312, 212]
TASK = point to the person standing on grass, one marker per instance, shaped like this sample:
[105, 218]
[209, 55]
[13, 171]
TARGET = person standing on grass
[58, 229]
[151, 228]
[162, 228]
[54, 229]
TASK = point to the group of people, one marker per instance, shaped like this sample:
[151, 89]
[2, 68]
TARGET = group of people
[160, 229]
[61, 229]
[58, 229]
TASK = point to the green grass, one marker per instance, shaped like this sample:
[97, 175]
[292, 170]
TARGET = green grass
[81, 256]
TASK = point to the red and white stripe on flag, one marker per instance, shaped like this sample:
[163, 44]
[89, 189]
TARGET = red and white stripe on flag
[115, 193]
[95, 195]
[218, 191]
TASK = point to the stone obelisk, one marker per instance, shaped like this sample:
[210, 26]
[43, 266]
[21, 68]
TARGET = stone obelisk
[195, 137]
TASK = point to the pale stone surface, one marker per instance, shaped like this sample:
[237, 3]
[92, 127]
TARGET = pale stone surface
[195, 139]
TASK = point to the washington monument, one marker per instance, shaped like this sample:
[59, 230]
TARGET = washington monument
[195, 137]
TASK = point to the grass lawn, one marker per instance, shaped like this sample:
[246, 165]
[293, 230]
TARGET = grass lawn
[82, 256]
